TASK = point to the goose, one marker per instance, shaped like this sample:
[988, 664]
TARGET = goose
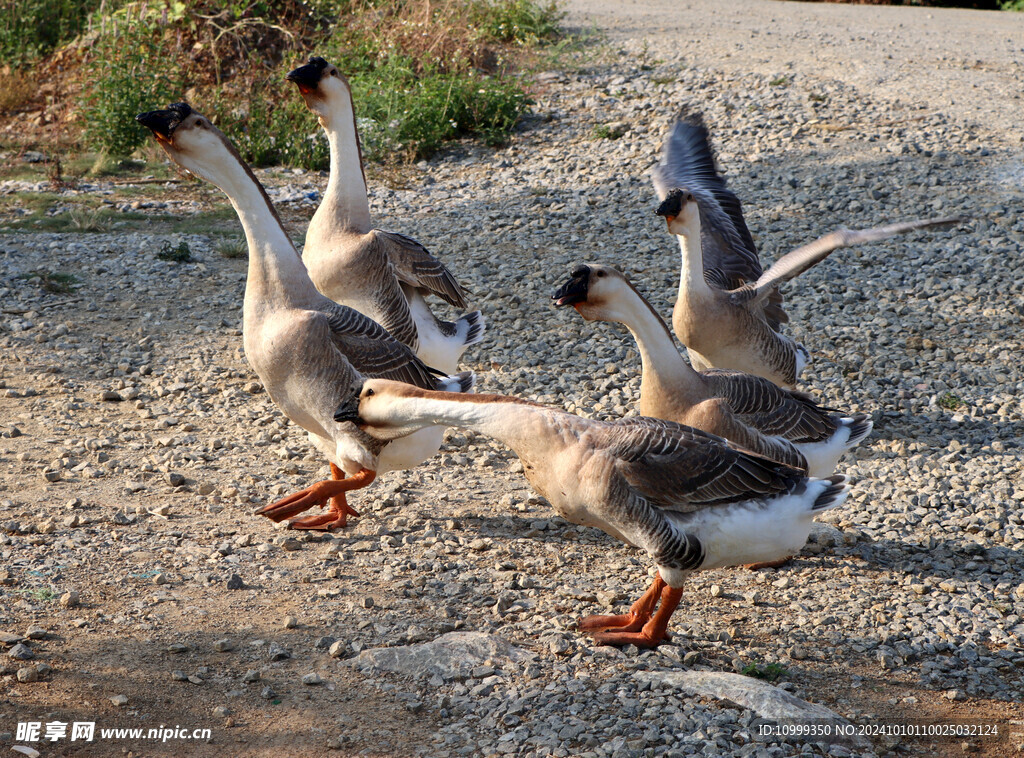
[384, 275]
[307, 350]
[748, 410]
[729, 312]
[691, 500]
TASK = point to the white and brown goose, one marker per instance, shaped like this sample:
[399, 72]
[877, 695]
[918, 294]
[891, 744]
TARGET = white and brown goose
[749, 410]
[691, 500]
[306, 349]
[729, 312]
[385, 275]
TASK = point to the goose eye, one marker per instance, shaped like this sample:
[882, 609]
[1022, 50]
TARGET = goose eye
[369, 393]
[600, 273]
[334, 72]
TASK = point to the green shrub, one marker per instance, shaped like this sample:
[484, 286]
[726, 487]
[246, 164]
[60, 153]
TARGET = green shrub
[31, 28]
[180, 253]
[132, 69]
[413, 114]
[519, 21]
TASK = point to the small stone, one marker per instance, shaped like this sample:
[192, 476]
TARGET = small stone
[954, 695]
[716, 591]
[110, 396]
[338, 649]
[224, 645]
[122, 519]
[195, 679]
[28, 674]
[558, 646]
[752, 597]
[797, 653]
[176, 648]
[51, 476]
[175, 479]
[480, 544]
[222, 711]
[291, 544]
[160, 579]
[119, 700]
[252, 675]
[290, 622]
[367, 602]
[235, 582]
[277, 652]
[323, 643]
[35, 633]
[691, 658]
[782, 583]
[267, 693]
[312, 680]
[70, 599]
[179, 676]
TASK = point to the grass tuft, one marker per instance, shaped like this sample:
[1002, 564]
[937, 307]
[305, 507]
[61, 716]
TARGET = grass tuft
[769, 672]
[180, 253]
[949, 401]
[55, 282]
[233, 248]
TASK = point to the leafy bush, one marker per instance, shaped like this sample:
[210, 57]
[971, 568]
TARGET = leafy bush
[519, 21]
[132, 70]
[180, 253]
[31, 28]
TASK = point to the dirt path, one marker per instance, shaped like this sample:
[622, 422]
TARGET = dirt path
[966, 63]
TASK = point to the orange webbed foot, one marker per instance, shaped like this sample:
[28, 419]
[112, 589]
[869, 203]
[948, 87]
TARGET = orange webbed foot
[768, 564]
[641, 626]
[329, 490]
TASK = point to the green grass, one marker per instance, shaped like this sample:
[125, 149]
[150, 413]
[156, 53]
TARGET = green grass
[232, 248]
[607, 131]
[769, 672]
[779, 81]
[56, 282]
[180, 253]
[949, 401]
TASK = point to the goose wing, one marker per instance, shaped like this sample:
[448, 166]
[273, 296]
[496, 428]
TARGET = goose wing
[797, 261]
[371, 350]
[770, 409]
[679, 468]
[688, 162]
[415, 266]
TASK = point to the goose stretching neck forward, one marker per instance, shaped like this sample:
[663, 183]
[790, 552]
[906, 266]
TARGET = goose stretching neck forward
[308, 351]
[729, 312]
[385, 275]
[689, 499]
[748, 410]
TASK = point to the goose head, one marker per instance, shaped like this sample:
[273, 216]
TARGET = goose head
[322, 86]
[380, 408]
[191, 140]
[679, 209]
[596, 292]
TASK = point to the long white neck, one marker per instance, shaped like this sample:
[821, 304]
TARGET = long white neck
[276, 272]
[517, 424]
[660, 360]
[691, 276]
[345, 206]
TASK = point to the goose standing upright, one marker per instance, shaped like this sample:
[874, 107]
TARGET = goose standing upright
[752, 412]
[307, 350]
[384, 275]
[729, 312]
[689, 499]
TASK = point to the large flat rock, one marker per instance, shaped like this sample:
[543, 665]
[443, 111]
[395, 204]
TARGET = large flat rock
[450, 656]
[768, 702]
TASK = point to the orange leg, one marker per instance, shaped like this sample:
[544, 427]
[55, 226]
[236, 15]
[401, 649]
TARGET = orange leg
[633, 621]
[653, 633]
[329, 490]
[768, 564]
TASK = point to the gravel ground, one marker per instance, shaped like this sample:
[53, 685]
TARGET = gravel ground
[136, 443]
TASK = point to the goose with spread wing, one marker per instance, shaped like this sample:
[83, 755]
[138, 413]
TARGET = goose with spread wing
[691, 500]
[749, 410]
[728, 311]
[385, 275]
[307, 350]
